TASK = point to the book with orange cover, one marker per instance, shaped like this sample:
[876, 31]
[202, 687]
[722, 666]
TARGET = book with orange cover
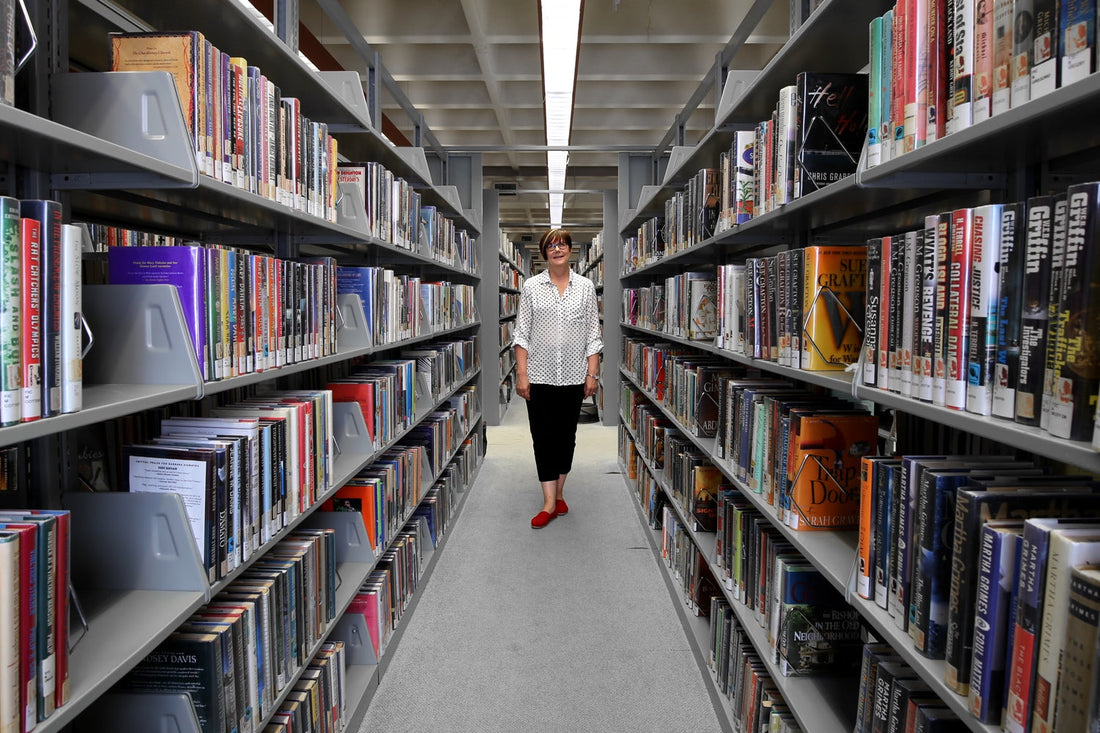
[824, 468]
[833, 305]
[358, 495]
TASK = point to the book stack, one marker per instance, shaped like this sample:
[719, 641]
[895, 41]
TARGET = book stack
[244, 472]
[34, 616]
[742, 676]
[510, 277]
[385, 595]
[397, 307]
[235, 658]
[645, 307]
[245, 133]
[813, 138]
[799, 450]
[893, 697]
[691, 214]
[40, 312]
[802, 308]
[990, 310]
[245, 313]
[935, 71]
[319, 694]
[104, 236]
[972, 557]
[645, 247]
[809, 627]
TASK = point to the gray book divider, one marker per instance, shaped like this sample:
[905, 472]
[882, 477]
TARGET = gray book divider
[348, 86]
[153, 711]
[139, 110]
[351, 209]
[354, 331]
[150, 345]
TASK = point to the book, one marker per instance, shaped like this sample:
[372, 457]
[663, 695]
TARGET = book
[702, 310]
[1054, 306]
[10, 633]
[824, 468]
[180, 54]
[1006, 367]
[185, 268]
[873, 313]
[11, 393]
[1078, 661]
[831, 127]
[1002, 56]
[983, 61]
[49, 215]
[1034, 314]
[1045, 59]
[191, 663]
[26, 596]
[1023, 46]
[973, 508]
[1067, 549]
[30, 319]
[72, 321]
[1076, 378]
[962, 87]
[818, 632]
[940, 320]
[958, 304]
[834, 287]
[1077, 34]
[1026, 632]
[999, 549]
[984, 302]
[191, 473]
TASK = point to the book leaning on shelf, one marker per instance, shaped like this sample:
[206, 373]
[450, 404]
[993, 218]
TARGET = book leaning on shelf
[245, 133]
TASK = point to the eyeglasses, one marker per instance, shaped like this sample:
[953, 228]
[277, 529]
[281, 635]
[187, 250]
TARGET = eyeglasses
[557, 245]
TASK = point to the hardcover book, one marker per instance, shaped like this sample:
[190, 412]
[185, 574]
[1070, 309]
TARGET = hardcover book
[184, 268]
[832, 126]
[824, 468]
[191, 663]
[1077, 360]
[1006, 367]
[11, 392]
[958, 307]
[1054, 306]
[834, 288]
[818, 632]
[1078, 661]
[999, 547]
[984, 301]
[1034, 316]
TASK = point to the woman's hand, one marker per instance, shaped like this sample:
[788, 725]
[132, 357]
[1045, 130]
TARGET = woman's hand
[590, 386]
[523, 386]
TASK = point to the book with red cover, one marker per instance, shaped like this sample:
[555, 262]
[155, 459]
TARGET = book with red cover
[30, 318]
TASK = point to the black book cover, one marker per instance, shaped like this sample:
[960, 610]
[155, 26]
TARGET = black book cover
[832, 124]
[1035, 294]
[1077, 362]
[1006, 368]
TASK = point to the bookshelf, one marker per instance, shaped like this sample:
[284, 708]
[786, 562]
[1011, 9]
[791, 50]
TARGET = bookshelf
[1001, 159]
[114, 148]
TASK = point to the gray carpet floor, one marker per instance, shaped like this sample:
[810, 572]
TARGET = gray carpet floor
[567, 628]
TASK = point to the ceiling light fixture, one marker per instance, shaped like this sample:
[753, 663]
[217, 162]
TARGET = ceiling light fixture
[560, 29]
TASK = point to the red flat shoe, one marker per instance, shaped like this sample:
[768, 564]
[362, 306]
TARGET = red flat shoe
[561, 508]
[542, 519]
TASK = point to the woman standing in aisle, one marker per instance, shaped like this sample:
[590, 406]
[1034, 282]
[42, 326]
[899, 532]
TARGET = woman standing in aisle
[558, 348]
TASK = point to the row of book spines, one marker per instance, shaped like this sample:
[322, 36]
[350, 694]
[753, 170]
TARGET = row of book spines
[893, 697]
[239, 653]
[397, 306]
[395, 213]
[245, 312]
[691, 214]
[939, 67]
[319, 697]
[743, 677]
[766, 432]
[960, 497]
[245, 133]
[995, 310]
[34, 623]
[385, 595]
[646, 246]
[40, 312]
[254, 467]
